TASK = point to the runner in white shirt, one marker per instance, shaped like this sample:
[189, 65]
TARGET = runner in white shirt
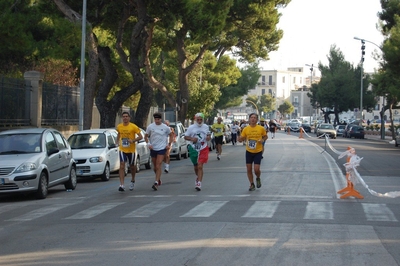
[159, 137]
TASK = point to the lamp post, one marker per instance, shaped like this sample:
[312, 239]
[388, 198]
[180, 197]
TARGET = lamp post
[311, 78]
[82, 73]
[254, 106]
[361, 93]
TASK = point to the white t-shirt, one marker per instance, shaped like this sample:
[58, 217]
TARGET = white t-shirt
[158, 135]
[234, 129]
[200, 133]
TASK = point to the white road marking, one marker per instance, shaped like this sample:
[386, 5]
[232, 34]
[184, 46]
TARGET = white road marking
[41, 212]
[94, 211]
[378, 212]
[149, 209]
[205, 209]
[319, 211]
[262, 209]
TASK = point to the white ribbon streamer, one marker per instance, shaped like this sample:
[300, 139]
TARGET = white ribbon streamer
[355, 177]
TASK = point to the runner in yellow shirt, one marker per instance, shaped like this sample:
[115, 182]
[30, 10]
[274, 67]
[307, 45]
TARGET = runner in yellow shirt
[218, 129]
[255, 136]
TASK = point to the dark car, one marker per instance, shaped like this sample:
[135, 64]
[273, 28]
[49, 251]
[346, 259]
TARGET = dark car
[397, 138]
[356, 132]
[340, 129]
[306, 127]
[347, 129]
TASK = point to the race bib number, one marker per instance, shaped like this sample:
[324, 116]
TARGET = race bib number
[252, 144]
[125, 142]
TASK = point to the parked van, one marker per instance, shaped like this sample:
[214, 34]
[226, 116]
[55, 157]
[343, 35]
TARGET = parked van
[179, 147]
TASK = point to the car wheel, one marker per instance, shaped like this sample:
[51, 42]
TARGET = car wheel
[138, 164]
[186, 154]
[106, 173]
[179, 155]
[148, 164]
[396, 143]
[72, 181]
[43, 187]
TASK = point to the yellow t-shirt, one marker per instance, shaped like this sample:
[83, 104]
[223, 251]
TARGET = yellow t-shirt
[127, 132]
[253, 135]
[219, 129]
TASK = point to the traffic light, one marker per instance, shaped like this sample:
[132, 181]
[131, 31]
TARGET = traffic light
[362, 50]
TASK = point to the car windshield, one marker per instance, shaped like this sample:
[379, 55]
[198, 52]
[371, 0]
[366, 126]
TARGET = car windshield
[326, 127]
[20, 143]
[87, 141]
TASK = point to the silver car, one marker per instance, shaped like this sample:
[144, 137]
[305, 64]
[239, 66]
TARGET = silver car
[35, 159]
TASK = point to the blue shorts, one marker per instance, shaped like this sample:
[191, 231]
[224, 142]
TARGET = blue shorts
[127, 157]
[154, 153]
[253, 157]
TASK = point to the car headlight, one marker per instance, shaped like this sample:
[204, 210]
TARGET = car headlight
[96, 159]
[25, 167]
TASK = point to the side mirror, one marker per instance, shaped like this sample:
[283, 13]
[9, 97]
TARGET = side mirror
[52, 151]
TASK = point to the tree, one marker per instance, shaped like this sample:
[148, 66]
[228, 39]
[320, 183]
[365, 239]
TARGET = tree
[339, 87]
[286, 108]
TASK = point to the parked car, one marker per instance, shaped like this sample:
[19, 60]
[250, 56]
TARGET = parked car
[227, 134]
[346, 130]
[306, 127]
[95, 152]
[326, 129]
[293, 127]
[142, 153]
[211, 142]
[316, 128]
[179, 147]
[340, 130]
[356, 132]
[34, 159]
[397, 138]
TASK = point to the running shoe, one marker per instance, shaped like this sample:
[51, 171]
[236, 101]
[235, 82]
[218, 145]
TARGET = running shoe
[198, 186]
[219, 157]
[166, 169]
[121, 188]
[258, 182]
[252, 187]
[131, 185]
[155, 186]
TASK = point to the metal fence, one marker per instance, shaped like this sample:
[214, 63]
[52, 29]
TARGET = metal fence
[60, 104]
[14, 102]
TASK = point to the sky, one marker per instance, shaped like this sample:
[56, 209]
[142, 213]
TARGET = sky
[311, 27]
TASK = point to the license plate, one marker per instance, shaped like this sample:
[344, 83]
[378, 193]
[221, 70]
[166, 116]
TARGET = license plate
[2, 181]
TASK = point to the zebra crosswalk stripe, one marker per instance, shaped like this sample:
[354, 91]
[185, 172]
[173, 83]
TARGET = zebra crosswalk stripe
[378, 212]
[205, 209]
[262, 209]
[149, 209]
[94, 211]
[319, 211]
[40, 212]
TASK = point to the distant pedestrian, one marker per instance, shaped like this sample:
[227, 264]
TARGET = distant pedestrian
[128, 135]
[255, 136]
[235, 129]
[368, 122]
[265, 125]
[272, 127]
[167, 157]
[198, 134]
[219, 130]
[159, 138]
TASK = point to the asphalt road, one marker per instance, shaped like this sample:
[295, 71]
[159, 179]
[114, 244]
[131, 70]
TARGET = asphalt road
[295, 218]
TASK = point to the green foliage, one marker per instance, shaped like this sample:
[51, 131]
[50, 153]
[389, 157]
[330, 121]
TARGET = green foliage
[232, 95]
[286, 108]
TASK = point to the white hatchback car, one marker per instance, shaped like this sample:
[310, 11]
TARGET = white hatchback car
[95, 152]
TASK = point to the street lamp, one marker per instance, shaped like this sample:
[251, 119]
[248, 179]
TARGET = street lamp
[254, 106]
[361, 93]
[311, 78]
